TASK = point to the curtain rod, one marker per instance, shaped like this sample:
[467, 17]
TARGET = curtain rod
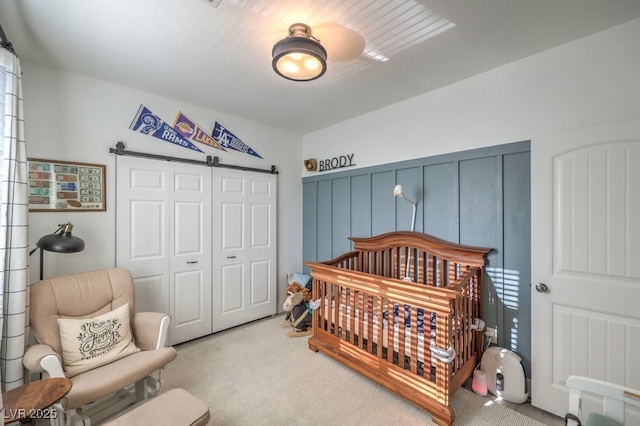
[5, 41]
[210, 161]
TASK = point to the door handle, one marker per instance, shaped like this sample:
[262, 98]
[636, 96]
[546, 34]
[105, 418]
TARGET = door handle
[542, 288]
[192, 261]
[231, 257]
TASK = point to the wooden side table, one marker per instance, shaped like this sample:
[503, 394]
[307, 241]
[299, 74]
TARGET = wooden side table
[31, 401]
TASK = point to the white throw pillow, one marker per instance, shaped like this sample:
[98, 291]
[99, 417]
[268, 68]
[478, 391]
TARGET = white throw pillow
[91, 342]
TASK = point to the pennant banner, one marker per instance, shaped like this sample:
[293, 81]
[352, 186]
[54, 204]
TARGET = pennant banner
[229, 140]
[150, 124]
[192, 131]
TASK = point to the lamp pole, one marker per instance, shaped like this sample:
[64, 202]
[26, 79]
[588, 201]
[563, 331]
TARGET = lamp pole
[397, 191]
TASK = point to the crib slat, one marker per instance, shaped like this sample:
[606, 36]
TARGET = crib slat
[388, 336]
[420, 256]
[462, 330]
[413, 363]
[433, 276]
[401, 339]
[343, 311]
[361, 318]
[354, 314]
[379, 307]
[443, 337]
[336, 311]
[316, 291]
[459, 329]
[468, 332]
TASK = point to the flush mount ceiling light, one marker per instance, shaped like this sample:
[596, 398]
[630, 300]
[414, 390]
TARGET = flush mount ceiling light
[300, 56]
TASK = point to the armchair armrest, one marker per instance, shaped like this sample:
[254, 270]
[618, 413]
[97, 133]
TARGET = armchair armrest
[40, 358]
[150, 330]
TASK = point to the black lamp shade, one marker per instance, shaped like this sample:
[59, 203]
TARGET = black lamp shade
[63, 242]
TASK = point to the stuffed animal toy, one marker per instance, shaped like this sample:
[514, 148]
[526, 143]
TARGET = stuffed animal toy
[292, 300]
[301, 320]
[292, 289]
[295, 288]
[299, 312]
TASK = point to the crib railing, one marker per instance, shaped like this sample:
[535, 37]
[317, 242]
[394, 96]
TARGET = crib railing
[381, 305]
[387, 324]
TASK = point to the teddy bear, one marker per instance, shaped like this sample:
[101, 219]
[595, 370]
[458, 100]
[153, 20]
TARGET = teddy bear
[295, 287]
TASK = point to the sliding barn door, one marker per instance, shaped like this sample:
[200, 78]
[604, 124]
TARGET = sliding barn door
[244, 247]
[163, 236]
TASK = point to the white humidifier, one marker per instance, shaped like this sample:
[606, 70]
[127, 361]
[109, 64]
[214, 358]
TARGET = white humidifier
[505, 374]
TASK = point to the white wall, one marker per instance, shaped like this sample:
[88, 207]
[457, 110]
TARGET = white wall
[72, 117]
[590, 81]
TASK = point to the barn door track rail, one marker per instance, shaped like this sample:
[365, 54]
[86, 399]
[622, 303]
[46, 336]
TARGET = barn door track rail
[210, 161]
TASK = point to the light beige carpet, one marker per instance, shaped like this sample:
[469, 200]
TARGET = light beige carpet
[256, 375]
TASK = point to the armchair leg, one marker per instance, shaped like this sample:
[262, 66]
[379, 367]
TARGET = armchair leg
[70, 418]
[141, 390]
[149, 387]
[67, 418]
[155, 384]
[59, 418]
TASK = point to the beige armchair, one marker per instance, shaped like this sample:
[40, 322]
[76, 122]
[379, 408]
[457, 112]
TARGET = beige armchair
[100, 391]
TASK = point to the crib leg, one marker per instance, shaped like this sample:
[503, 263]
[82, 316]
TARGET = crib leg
[441, 422]
[312, 344]
[443, 416]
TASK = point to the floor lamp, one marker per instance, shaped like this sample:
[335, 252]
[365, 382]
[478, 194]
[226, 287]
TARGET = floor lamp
[397, 192]
[61, 241]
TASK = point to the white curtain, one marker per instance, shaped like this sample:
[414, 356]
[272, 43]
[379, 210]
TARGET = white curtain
[14, 253]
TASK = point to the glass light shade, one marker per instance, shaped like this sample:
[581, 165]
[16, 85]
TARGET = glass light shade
[299, 57]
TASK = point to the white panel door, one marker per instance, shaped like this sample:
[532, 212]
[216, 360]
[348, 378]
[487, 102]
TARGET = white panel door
[190, 245]
[244, 247]
[142, 225]
[163, 236]
[586, 251]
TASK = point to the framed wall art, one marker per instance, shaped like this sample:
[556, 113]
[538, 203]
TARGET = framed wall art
[66, 186]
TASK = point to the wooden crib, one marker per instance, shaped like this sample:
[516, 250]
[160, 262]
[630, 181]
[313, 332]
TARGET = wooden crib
[367, 292]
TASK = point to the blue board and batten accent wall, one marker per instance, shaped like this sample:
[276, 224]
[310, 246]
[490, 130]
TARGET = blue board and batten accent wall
[479, 197]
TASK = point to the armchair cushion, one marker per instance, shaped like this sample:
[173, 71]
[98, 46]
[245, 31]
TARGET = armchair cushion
[88, 343]
[94, 384]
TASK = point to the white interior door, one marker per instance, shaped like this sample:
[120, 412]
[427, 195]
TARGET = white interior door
[244, 248]
[163, 236]
[585, 191]
[142, 224]
[190, 245]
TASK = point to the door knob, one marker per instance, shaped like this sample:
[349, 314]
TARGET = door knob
[542, 288]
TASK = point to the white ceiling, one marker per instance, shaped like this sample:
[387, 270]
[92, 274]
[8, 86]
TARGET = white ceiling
[217, 54]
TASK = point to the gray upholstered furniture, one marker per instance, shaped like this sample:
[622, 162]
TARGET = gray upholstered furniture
[97, 393]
